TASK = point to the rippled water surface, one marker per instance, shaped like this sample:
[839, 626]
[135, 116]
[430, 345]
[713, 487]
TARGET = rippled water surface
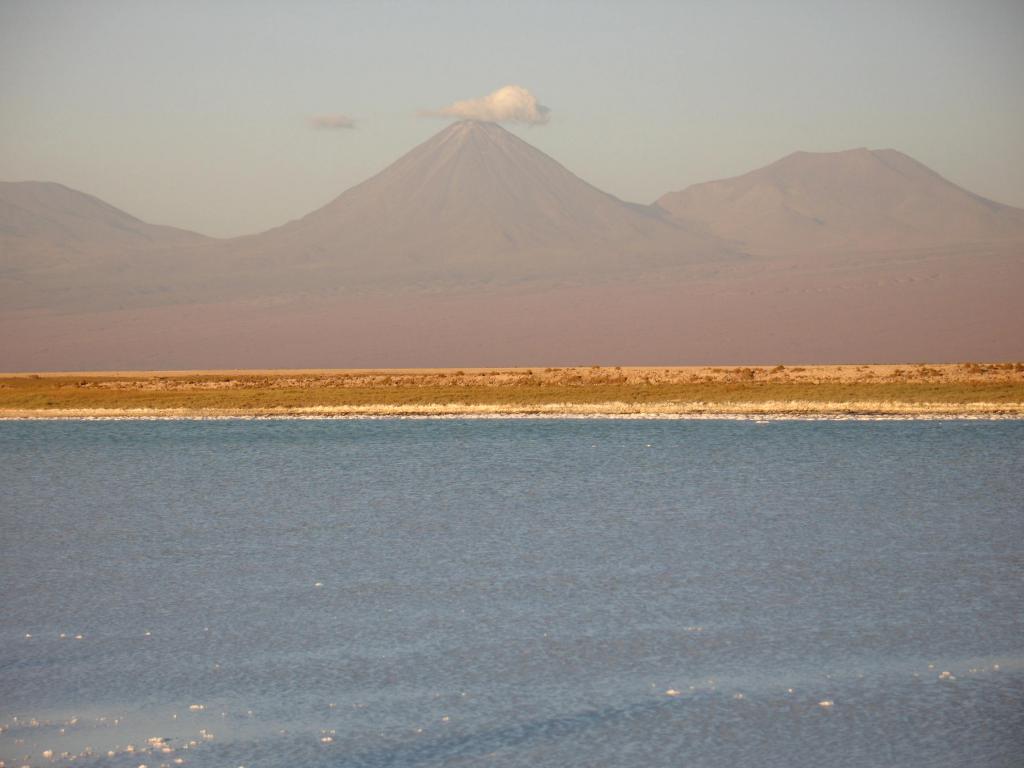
[512, 593]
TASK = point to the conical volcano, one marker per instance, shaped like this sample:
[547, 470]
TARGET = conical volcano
[476, 202]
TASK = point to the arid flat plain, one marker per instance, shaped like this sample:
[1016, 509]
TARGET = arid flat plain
[912, 390]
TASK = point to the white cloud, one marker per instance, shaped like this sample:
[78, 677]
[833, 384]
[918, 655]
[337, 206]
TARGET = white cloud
[511, 104]
[331, 122]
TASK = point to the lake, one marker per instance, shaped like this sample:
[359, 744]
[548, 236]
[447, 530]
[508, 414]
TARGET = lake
[523, 592]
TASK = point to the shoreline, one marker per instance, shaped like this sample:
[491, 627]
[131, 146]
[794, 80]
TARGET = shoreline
[741, 411]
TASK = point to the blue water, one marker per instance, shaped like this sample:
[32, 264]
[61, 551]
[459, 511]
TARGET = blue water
[512, 593]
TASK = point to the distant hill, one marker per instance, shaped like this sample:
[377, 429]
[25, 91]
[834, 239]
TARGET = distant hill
[857, 200]
[53, 223]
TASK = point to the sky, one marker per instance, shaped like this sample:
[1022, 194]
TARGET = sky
[230, 117]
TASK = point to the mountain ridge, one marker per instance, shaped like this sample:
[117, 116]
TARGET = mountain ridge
[737, 210]
[476, 249]
[475, 208]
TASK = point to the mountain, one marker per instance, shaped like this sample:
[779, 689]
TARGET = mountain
[858, 200]
[475, 202]
[50, 222]
[475, 249]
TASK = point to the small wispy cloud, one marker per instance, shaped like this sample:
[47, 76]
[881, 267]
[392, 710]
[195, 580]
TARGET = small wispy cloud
[511, 104]
[331, 122]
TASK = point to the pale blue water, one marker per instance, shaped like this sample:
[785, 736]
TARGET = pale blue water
[513, 593]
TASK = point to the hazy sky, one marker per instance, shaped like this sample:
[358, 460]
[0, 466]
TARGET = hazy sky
[198, 114]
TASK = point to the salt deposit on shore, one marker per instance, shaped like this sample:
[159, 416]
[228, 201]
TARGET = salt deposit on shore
[758, 411]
